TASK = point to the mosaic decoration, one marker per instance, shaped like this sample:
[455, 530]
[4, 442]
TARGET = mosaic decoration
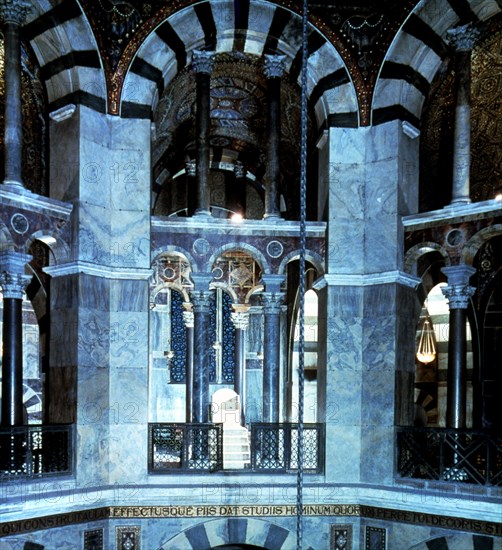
[375, 538]
[436, 143]
[228, 341]
[177, 363]
[34, 168]
[128, 538]
[341, 537]
[93, 540]
[239, 272]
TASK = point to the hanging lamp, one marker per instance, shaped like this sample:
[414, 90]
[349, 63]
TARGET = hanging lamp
[426, 351]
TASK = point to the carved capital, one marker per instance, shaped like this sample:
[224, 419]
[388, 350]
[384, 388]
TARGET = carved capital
[12, 11]
[188, 319]
[201, 300]
[203, 61]
[190, 168]
[458, 295]
[239, 170]
[274, 66]
[14, 284]
[240, 319]
[272, 302]
[464, 38]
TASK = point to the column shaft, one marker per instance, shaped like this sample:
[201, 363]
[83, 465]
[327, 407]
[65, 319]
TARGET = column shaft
[189, 374]
[203, 64]
[456, 400]
[273, 157]
[462, 40]
[12, 362]
[271, 364]
[240, 370]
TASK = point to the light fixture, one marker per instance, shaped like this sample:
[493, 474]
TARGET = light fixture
[236, 217]
[426, 352]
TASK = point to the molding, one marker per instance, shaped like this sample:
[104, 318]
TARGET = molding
[368, 279]
[20, 197]
[107, 272]
[453, 213]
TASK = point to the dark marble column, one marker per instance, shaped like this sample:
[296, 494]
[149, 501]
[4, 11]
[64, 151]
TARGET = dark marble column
[462, 39]
[202, 63]
[240, 319]
[238, 203]
[274, 70]
[201, 296]
[13, 282]
[188, 318]
[13, 15]
[458, 293]
[272, 300]
[191, 189]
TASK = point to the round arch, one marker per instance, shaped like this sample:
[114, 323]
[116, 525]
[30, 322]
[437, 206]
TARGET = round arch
[339, 98]
[235, 532]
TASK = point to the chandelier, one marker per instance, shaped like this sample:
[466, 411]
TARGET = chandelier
[426, 351]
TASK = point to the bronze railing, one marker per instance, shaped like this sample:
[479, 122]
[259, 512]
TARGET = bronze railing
[442, 454]
[194, 448]
[36, 451]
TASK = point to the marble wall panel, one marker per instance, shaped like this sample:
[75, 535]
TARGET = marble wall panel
[376, 462]
[377, 399]
[166, 401]
[93, 226]
[128, 451]
[130, 239]
[383, 245]
[64, 157]
[347, 145]
[93, 338]
[343, 453]
[93, 442]
[344, 397]
[254, 401]
[344, 336]
[346, 192]
[379, 343]
[128, 395]
[128, 340]
[127, 295]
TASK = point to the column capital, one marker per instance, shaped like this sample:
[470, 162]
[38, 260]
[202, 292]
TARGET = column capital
[274, 66]
[458, 290]
[188, 319]
[464, 38]
[240, 319]
[201, 300]
[458, 295]
[13, 280]
[272, 302]
[239, 170]
[201, 280]
[190, 168]
[14, 11]
[203, 61]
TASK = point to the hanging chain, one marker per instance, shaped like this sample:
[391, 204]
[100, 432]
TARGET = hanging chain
[301, 290]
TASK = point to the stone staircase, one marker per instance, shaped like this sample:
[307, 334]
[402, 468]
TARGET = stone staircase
[236, 449]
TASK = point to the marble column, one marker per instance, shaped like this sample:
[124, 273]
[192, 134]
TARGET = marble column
[462, 39]
[458, 293]
[272, 299]
[13, 15]
[188, 318]
[274, 70]
[202, 63]
[239, 195]
[13, 282]
[240, 319]
[191, 173]
[201, 296]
